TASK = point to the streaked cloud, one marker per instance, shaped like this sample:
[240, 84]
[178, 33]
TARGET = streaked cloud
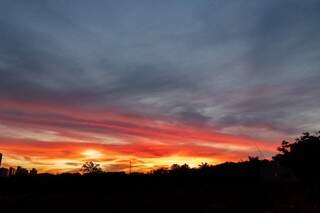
[156, 79]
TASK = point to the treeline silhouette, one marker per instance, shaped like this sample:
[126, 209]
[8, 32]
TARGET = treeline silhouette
[289, 182]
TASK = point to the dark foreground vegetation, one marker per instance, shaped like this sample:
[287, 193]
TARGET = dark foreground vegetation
[288, 183]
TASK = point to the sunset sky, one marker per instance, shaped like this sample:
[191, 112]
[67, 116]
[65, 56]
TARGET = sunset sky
[155, 82]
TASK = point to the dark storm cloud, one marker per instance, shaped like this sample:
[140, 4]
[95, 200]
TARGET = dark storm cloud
[222, 63]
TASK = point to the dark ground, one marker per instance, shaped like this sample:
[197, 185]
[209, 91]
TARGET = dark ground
[152, 193]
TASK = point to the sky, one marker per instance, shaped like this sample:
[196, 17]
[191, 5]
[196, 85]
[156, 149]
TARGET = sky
[155, 82]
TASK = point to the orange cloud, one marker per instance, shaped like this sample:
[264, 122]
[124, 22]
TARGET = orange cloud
[56, 138]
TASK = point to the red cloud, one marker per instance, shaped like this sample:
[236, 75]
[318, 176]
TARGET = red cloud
[57, 132]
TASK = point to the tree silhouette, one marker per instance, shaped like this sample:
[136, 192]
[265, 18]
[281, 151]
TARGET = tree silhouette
[33, 172]
[180, 169]
[204, 166]
[160, 171]
[302, 156]
[91, 168]
[253, 158]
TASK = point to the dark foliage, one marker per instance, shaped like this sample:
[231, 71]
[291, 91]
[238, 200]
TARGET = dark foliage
[302, 156]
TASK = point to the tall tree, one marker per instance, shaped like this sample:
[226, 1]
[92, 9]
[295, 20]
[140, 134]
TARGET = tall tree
[302, 156]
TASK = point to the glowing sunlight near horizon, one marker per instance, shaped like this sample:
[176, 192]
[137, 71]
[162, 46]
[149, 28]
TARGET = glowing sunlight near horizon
[92, 154]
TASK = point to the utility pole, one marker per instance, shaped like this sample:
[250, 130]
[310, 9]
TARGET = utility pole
[0, 159]
[130, 167]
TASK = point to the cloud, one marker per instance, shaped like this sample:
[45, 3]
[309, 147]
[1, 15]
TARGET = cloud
[121, 73]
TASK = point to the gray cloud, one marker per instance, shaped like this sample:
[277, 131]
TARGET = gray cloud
[220, 63]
